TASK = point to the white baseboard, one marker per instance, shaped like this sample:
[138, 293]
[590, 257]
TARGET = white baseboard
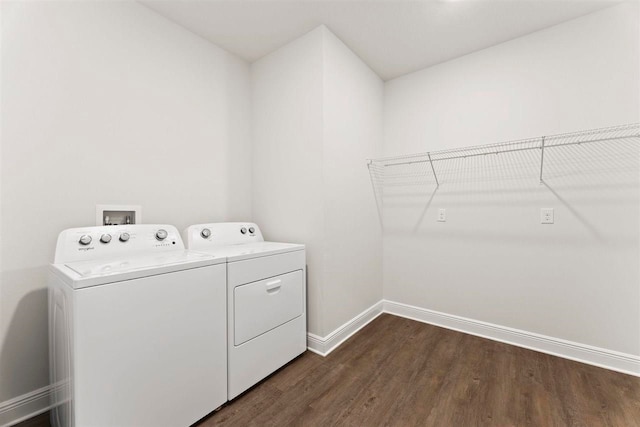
[325, 345]
[25, 406]
[608, 359]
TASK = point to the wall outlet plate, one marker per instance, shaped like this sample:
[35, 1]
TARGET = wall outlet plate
[118, 214]
[546, 216]
[442, 215]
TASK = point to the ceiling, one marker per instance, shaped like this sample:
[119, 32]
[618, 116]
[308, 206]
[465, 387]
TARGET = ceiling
[392, 37]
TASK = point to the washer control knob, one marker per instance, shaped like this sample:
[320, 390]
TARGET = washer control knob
[161, 234]
[252, 230]
[243, 230]
[124, 237]
[205, 233]
[105, 238]
[85, 239]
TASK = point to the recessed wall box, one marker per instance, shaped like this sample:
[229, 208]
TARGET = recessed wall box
[118, 214]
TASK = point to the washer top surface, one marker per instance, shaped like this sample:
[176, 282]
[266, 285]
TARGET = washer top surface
[234, 241]
[84, 259]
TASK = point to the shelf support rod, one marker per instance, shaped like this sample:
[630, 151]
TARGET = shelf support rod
[375, 193]
[541, 160]
[433, 169]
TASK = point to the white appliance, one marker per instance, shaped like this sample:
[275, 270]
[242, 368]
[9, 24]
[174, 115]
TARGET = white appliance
[137, 328]
[266, 297]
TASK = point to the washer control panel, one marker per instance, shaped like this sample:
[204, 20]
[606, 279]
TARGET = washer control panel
[202, 236]
[78, 244]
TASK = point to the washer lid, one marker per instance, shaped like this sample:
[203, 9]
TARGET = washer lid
[252, 250]
[82, 274]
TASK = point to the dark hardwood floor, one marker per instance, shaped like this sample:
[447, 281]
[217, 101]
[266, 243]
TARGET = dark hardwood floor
[398, 372]
[39, 421]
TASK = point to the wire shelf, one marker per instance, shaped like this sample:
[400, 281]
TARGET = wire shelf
[566, 154]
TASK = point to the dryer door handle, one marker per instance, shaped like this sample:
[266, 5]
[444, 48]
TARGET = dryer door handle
[273, 286]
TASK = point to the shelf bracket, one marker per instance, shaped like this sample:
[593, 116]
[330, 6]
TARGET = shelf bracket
[541, 160]
[434, 170]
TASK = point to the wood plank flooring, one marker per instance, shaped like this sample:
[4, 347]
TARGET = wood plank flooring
[399, 372]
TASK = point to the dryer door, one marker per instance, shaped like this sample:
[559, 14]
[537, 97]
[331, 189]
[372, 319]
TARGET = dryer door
[266, 304]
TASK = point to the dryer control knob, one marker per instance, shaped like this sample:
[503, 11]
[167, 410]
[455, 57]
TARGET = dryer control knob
[243, 230]
[85, 239]
[105, 238]
[252, 230]
[205, 233]
[124, 237]
[161, 234]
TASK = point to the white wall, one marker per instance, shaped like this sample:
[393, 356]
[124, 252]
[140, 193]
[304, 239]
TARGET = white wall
[352, 131]
[316, 115]
[492, 260]
[105, 102]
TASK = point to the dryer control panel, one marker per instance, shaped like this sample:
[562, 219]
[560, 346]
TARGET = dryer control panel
[203, 236]
[87, 243]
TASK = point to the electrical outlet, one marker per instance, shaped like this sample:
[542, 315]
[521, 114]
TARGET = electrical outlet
[546, 216]
[442, 215]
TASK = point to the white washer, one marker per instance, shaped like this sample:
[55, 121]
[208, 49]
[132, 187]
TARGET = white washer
[137, 328]
[266, 297]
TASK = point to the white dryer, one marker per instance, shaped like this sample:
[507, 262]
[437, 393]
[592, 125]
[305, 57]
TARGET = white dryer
[137, 328]
[266, 297]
